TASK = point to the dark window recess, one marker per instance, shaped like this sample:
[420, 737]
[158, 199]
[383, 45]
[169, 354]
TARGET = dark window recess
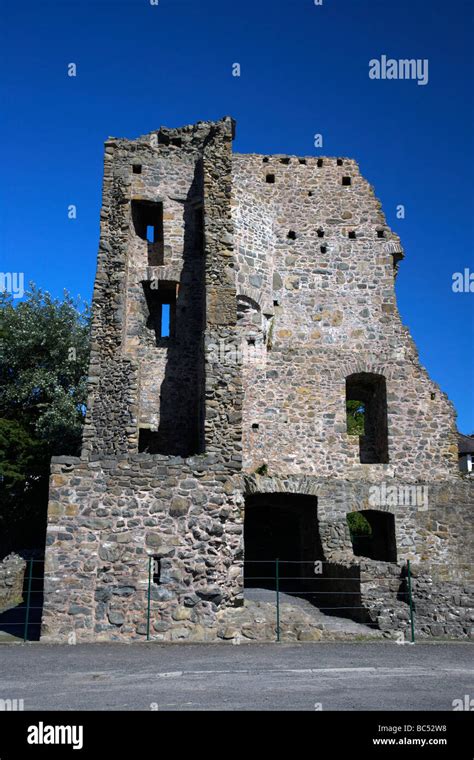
[148, 441]
[380, 233]
[292, 235]
[156, 566]
[397, 257]
[177, 142]
[251, 341]
[323, 249]
[366, 409]
[148, 224]
[265, 160]
[310, 193]
[302, 161]
[199, 229]
[276, 303]
[339, 161]
[346, 181]
[161, 304]
[255, 426]
[270, 178]
[284, 160]
[373, 535]
[352, 235]
[137, 168]
[320, 162]
[320, 233]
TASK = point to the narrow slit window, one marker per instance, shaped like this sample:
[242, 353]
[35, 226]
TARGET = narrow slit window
[156, 570]
[161, 305]
[199, 230]
[165, 320]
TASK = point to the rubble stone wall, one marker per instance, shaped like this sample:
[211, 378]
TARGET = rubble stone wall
[283, 269]
[12, 573]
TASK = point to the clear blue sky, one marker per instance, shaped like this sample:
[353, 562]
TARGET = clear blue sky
[304, 69]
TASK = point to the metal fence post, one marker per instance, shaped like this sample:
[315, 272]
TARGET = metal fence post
[412, 620]
[277, 587]
[28, 599]
[150, 559]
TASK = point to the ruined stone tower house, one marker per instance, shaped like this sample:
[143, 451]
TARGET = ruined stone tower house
[240, 302]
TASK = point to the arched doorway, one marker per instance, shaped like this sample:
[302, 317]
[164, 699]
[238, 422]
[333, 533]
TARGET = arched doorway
[281, 526]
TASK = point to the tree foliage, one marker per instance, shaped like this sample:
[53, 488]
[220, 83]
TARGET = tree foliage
[358, 525]
[44, 350]
[355, 417]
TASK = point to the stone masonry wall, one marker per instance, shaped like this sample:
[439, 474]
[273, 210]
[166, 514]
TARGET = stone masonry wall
[136, 380]
[12, 573]
[283, 269]
[335, 314]
[106, 519]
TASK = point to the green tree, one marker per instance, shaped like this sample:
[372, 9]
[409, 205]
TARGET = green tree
[44, 351]
[355, 417]
[358, 525]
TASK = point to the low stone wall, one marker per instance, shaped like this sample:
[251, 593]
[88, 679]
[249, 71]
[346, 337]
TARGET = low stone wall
[12, 573]
[442, 607]
[105, 522]
[108, 517]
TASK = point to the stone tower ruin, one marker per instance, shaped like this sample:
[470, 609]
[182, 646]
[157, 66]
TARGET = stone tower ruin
[240, 302]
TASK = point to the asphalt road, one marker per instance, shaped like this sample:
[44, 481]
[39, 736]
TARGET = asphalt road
[355, 676]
